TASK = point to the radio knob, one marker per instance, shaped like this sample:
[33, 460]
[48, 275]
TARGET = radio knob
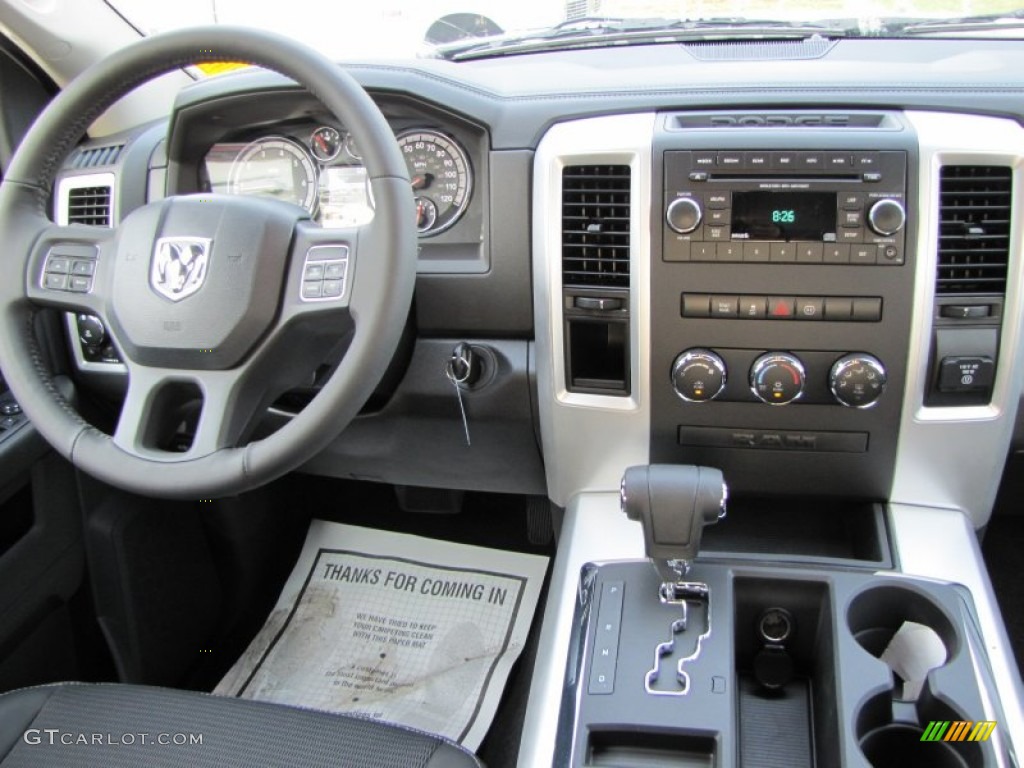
[684, 215]
[698, 375]
[886, 217]
[777, 378]
[857, 380]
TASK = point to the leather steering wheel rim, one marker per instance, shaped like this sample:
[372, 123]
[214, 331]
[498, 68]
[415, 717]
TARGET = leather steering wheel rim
[383, 272]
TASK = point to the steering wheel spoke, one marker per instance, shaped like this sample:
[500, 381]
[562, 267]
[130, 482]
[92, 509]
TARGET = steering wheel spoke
[173, 415]
[68, 268]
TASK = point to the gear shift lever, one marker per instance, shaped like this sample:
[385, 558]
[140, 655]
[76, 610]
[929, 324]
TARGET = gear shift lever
[673, 504]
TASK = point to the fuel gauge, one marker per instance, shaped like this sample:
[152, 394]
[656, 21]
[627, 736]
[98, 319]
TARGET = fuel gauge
[325, 143]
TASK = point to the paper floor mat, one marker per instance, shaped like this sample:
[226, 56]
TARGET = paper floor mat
[394, 627]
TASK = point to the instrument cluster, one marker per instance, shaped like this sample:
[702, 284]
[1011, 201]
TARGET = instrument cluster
[320, 168]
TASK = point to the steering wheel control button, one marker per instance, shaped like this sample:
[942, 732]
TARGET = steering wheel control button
[698, 375]
[857, 380]
[324, 271]
[69, 267]
[79, 284]
[58, 264]
[91, 331]
[777, 378]
[55, 282]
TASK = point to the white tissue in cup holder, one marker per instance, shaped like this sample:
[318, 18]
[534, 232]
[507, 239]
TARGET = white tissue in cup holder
[914, 651]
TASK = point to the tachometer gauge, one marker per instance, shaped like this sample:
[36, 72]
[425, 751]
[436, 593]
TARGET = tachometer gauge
[325, 143]
[275, 167]
[441, 178]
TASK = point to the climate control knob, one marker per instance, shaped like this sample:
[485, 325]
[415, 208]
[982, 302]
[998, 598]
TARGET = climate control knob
[886, 217]
[857, 380]
[777, 378]
[698, 375]
[684, 215]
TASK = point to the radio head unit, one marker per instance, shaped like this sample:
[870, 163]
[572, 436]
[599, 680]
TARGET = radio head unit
[835, 207]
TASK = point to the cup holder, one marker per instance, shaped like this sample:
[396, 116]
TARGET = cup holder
[875, 615]
[898, 745]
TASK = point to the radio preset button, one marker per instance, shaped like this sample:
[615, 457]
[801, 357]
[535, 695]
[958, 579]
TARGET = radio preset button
[836, 253]
[782, 252]
[755, 252]
[809, 252]
[683, 215]
[730, 251]
[703, 252]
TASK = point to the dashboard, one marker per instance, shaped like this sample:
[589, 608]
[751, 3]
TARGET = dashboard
[665, 259]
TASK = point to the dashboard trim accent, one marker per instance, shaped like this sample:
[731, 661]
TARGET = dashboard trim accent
[950, 457]
[589, 439]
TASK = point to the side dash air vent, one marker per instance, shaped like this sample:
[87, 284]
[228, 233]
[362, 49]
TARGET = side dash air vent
[95, 157]
[89, 205]
[595, 226]
[974, 229]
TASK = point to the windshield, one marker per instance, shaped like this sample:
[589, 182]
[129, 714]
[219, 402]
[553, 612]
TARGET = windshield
[403, 28]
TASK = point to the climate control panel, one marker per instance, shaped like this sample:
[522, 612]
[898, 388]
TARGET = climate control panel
[777, 378]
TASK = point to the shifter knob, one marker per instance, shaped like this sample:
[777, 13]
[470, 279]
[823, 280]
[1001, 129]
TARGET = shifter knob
[673, 503]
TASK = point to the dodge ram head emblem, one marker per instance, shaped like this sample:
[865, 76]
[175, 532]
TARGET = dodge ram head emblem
[179, 266]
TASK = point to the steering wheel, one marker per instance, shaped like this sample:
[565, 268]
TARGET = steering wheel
[230, 300]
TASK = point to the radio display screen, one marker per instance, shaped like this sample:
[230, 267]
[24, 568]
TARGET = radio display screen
[764, 215]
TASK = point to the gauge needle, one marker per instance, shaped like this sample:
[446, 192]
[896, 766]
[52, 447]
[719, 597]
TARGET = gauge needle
[321, 142]
[422, 181]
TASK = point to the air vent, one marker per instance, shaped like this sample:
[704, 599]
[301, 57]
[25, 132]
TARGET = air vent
[95, 157]
[814, 47]
[974, 229]
[595, 226]
[89, 205]
[705, 120]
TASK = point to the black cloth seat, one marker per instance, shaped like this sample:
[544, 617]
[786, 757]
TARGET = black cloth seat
[80, 725]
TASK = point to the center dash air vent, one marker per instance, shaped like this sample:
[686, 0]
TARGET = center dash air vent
[974, 229]
[89, 205]
[595, 226]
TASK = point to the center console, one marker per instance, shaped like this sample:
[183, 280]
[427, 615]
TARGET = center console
[824, 306]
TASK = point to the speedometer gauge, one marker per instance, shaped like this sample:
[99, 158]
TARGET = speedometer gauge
[441, 178]
[275, 167]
